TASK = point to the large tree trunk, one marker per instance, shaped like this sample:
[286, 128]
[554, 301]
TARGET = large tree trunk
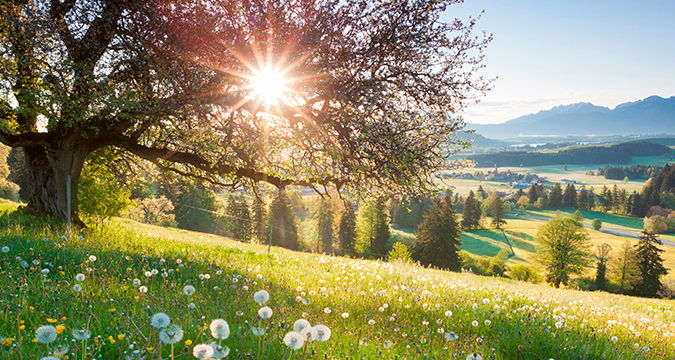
[48, 173]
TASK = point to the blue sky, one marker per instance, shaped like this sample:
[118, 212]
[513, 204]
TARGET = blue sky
[547, 53]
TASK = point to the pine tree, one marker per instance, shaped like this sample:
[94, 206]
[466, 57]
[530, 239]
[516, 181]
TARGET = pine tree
[259, 221]
[582, 199]
[481, 193]
[570, 197]
[497, 210]
[438, 237]
[472, 213]
[601, 270]
[324, 218]
[650, 263]
[534, 193]
[606, 199]
[244, 228]
[555, 197]
[346, 233]
[372, 228]
[281, 222]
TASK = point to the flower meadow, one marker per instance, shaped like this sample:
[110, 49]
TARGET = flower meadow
[120, 294]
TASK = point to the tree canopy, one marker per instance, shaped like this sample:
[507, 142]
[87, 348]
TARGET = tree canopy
[563, 249]
[370, 90]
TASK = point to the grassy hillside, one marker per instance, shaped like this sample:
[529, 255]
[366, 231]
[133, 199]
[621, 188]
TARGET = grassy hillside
[374, 310]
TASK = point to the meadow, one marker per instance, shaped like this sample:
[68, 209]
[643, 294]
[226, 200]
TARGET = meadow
[154, 293]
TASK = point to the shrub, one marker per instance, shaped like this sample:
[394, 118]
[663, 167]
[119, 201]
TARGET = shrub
[9, 191]
[400, 253]
[525, 273]
[597, 224]
[503, 254]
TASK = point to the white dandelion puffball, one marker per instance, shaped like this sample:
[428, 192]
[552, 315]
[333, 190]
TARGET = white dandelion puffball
[345, 315]
[265, 312]
[219, 352]
[160, 320]
[448, 313]
[261, 296]
[80, 277]
[202, 351]
[148, 274]
[45, 334]
[92, 258]
[5, 249]
[320, 333]
[294, 340]
[136, 282]
[143, 289]
[474, 323]
[82, 334]
[451, 336]
[300, 325]
[474, 356]
[50, 358]
[171, 334]
[220, 329]
[188, 290]
[371, 322]
[77, 287]
[487, 322]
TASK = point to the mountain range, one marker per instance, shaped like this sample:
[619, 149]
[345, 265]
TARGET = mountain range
[653, 115]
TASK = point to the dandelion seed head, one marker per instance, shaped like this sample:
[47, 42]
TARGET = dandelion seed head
[160, 320]
[45, 334]
[220, 329]
[294, 340]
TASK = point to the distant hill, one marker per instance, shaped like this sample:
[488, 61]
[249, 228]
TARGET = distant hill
[653, 115]
[480, 141]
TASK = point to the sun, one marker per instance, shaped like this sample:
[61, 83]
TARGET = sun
[269, 85]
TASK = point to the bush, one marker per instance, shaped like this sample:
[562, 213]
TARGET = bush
[400, 253]
[155, 211]
[525, 273]
[577, 216]
[503, 254]
[9, 191]
[597, 224]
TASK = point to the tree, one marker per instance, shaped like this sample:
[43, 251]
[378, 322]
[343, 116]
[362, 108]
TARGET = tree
[606, 199]
[438, 237]
[372, 228]
[239, 218]
[523, 201]
[173, 83]
[555, 197]
[104, 197]
[346, 232]
[259, 220]
[8, 189]
[471, 214]
[650, 263]
[498, 209]
[324, 218]
[601, 270]
[281, 222]
[570, 197]
[563, 249]
[597, 224]
[624, 268]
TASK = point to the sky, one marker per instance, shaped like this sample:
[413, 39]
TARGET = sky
[548, 52]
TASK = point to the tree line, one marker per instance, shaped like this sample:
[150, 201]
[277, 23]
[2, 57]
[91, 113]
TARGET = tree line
[633, 172]
[615, 154]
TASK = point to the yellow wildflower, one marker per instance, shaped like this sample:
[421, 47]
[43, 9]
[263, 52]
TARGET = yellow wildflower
[188, 342]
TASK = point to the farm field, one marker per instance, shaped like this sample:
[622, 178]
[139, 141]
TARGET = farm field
[104, 292]
[555, 173]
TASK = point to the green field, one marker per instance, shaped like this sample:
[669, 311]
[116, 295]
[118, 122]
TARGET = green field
[374, 310]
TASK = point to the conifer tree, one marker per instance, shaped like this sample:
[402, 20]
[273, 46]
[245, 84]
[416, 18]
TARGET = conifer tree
[373, 228]
[570, 197]
[259, 220]
[324, 218]
[438, 237]
[497, 210]
[472, 213]
[606, 199]
[346, 232]
[244, 228]
[650, 263]
[281, 222]
[555, 197]
[601, 270]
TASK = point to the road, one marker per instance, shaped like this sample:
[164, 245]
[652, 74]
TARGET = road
[614, 231]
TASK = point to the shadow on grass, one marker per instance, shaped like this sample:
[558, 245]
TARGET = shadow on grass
[484, 242]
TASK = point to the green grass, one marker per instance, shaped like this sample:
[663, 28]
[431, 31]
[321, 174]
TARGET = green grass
[394, 310]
